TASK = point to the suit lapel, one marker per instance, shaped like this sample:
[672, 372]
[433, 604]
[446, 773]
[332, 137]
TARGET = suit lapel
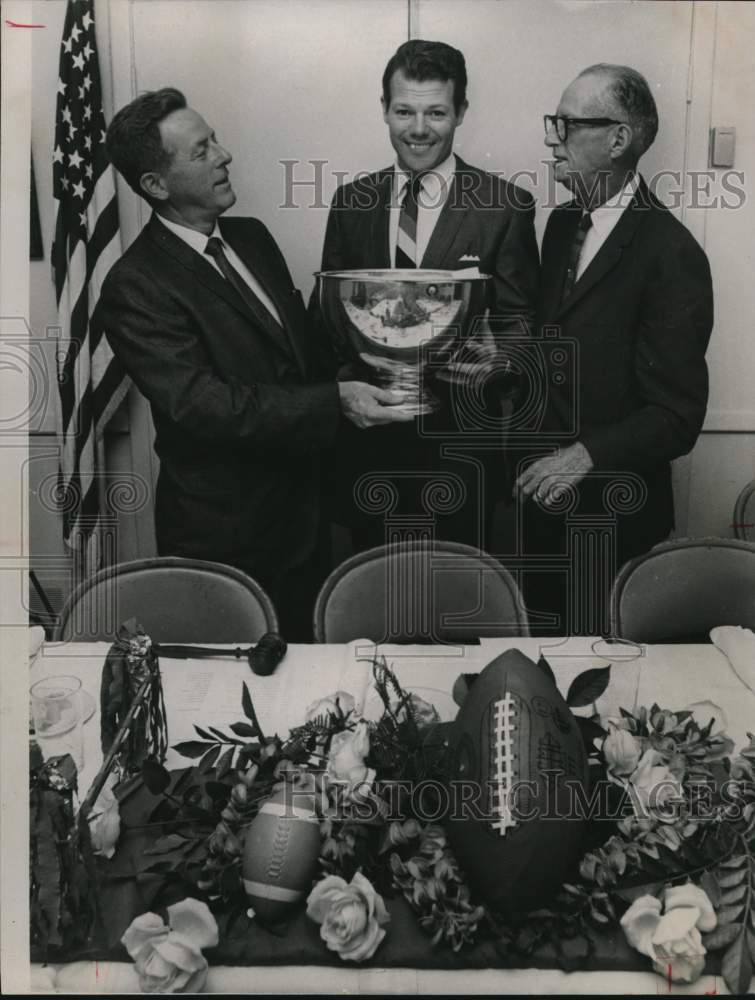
[609, 255]
[559, 235]
[216, 283]
[452, 215]
[378, 222]
[261, 266]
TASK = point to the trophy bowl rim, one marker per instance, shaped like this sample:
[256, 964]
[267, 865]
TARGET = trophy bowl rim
[417, 276]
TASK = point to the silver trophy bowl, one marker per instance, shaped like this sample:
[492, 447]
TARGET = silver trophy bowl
[400, 327]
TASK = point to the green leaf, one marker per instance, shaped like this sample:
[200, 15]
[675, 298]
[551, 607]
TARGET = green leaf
[218, 792]
[648, 889]
[155, 776]
[547, 669]
[224, 738]
[224, 762]
[736, 966]
[736, 878]
[588, 687]
[246, 704]
[734, 895]
[728, 914]
[184, 780]
[168, 843]
[721, 936]
[163, 812]
[164, 865]
[203, 733]
[711, 886]
[208, 760]
[243, 729]
[737, 862]
[751, 944]
[192, 748]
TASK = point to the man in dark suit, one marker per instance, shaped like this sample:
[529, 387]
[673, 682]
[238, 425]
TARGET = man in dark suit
[205, 318]
[465, 218]
[629, 289]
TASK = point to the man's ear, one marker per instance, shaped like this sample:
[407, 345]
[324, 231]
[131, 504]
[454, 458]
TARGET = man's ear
[384, 106]
[622, 141]
[461, 112]
[154, 185]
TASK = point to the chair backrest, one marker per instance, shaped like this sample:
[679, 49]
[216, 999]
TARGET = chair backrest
[744, 514]
[419, 592]
[176, 600]
[680, 590]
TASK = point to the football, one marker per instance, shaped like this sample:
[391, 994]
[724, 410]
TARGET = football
[517, 768]
[281, 848]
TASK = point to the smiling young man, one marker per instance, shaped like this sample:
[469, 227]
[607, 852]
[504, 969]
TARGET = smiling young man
[465, 217]
[203, 315]
[630, 288]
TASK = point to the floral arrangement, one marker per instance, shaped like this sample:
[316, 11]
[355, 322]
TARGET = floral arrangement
[669, 856]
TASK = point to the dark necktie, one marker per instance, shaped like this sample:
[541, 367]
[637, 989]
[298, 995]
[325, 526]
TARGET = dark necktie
[215, 250]
[406, 241]
[574, 254]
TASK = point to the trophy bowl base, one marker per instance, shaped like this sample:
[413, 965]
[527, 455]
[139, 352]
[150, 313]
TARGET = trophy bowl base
[407, 379]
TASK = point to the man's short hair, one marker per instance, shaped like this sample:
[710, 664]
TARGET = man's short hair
[629, 90]
[421, 60]
[133, 142]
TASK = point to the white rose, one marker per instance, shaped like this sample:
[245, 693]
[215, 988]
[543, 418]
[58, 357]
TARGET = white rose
[169, 959]
[671, 940]
[346, 760]
[351, 915]
[678, 947]
[654, 789]
[621, 751]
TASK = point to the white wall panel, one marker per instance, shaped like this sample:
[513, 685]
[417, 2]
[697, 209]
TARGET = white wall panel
[291, 80]
[521, 54]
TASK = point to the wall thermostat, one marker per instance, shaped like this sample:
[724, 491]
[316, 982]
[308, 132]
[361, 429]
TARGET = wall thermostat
[722, 143]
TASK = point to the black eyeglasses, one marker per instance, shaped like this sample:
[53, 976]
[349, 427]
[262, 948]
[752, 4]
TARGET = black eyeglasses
[561, 124]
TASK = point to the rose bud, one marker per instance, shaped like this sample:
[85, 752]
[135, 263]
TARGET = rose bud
[250, 775]
[233, 846]
[239, 794]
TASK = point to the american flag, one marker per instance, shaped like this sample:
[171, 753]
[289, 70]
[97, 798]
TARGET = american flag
[87, 242]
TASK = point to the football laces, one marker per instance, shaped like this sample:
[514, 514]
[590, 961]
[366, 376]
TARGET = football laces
[503, 720]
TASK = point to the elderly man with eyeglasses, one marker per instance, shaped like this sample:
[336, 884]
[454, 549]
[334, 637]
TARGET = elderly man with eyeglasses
[628, 287]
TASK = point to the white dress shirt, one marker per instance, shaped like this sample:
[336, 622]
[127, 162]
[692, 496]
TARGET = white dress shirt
[198, 241]
[435, 187]
[604, 218]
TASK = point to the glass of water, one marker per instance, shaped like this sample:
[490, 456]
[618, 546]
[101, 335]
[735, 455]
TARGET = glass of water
[57, 717]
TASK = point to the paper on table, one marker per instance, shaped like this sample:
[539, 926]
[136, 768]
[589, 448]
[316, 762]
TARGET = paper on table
[208, 691]
[738, 646]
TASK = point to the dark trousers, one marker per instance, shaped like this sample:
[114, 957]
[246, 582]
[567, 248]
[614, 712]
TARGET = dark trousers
[406, 480]
[572, 558]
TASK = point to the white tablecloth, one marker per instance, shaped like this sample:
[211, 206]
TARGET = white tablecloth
[673, 676]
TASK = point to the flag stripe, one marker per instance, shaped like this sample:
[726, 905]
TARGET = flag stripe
[86, 244]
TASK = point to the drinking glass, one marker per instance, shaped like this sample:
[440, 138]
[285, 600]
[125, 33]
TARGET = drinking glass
[56, 712]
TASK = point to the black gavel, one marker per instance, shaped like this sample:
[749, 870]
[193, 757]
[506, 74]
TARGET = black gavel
[263, 658]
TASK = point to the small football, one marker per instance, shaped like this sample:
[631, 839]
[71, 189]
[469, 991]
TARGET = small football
[281, 848]
[517, 775]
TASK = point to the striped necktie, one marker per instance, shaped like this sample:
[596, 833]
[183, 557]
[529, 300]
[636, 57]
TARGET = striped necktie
[406, 242]
[574, 253]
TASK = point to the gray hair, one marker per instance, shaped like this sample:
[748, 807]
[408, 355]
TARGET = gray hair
[629, 90]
